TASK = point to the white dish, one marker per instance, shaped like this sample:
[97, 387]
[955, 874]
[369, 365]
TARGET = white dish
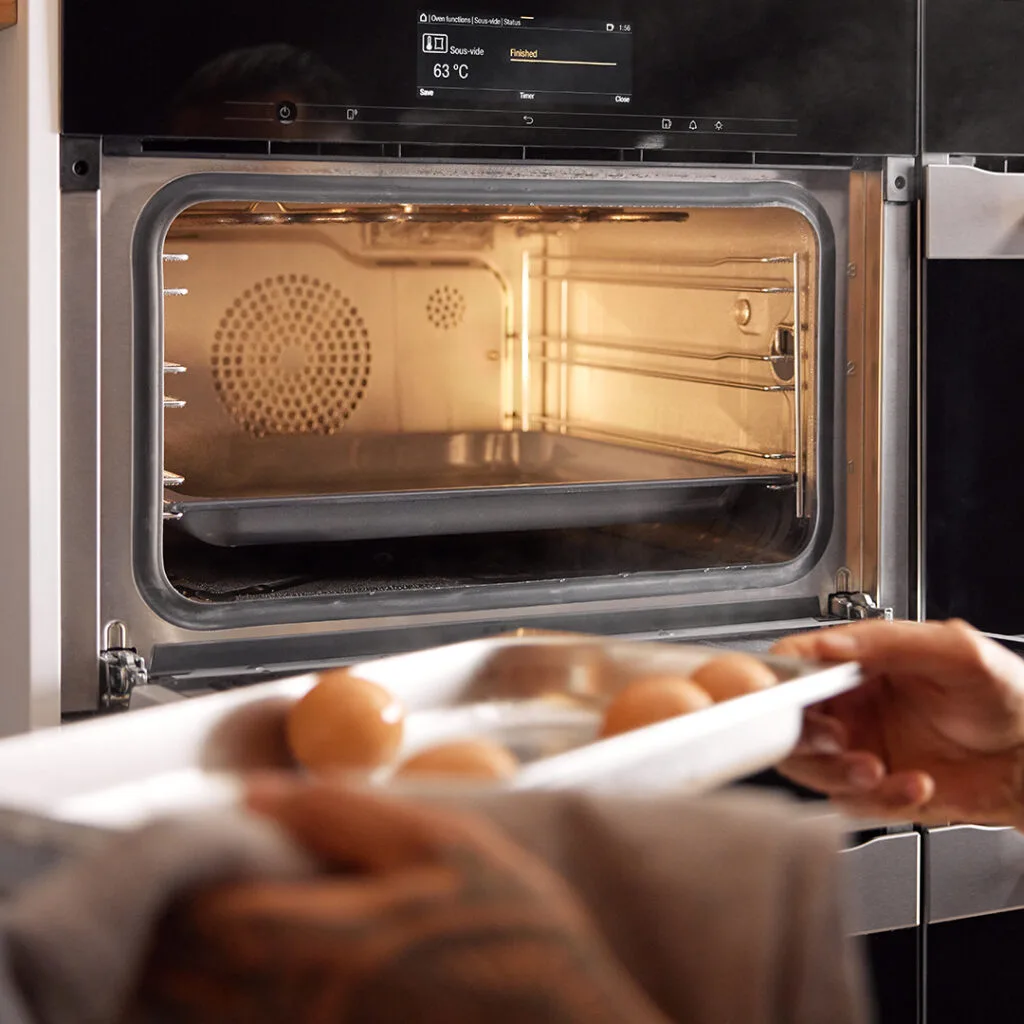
[122, 770]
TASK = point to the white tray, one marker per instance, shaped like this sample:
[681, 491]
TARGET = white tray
[122, 770]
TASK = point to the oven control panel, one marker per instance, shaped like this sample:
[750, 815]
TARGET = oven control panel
[751, 76]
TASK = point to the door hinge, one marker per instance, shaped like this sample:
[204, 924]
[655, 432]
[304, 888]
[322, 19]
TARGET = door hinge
[122, 668]
[855, 607]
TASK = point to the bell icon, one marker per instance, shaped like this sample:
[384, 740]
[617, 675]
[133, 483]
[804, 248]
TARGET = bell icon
[693, 126]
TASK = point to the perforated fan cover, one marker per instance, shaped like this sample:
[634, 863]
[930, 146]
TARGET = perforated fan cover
[291, 355]
[446, 308]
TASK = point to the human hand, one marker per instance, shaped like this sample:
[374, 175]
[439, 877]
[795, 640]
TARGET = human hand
[935, 734]
[424, 915]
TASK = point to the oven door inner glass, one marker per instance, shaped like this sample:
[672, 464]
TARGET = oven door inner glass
[427, 395]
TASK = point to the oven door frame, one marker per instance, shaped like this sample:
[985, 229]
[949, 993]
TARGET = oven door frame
[108, 616]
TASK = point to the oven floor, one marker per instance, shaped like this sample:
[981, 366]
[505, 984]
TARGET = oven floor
[201, 572]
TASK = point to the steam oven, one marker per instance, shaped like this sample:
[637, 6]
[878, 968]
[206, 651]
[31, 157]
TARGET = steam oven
[399, 326]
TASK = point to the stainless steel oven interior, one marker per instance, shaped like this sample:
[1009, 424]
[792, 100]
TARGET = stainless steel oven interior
[320, 401]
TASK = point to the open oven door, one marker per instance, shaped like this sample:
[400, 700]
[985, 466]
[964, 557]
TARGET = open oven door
[972, 363]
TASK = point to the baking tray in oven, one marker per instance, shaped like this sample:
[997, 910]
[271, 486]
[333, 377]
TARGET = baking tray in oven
[313, 488]
[185, 756]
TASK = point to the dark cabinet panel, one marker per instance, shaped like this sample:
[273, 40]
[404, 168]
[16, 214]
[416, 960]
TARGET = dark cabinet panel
[974, 91]
[974, 969]
[974, 362]
[895, 975]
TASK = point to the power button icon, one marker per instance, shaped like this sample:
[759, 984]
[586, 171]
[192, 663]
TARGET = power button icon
[286, 112]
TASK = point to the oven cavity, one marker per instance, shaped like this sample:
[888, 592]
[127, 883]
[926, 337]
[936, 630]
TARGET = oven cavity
[413, 397]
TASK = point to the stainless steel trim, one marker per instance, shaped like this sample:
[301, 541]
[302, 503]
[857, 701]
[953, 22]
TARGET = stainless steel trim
[973, 870]
[80, 433]
[883, 883]
[896, 494]
[971, 214]
[918, 582]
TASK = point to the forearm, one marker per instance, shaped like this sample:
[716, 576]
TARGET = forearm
[493, 965]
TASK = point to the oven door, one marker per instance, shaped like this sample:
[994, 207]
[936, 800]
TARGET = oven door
[684, 456]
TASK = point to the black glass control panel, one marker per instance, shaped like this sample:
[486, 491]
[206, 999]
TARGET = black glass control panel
[751, 75]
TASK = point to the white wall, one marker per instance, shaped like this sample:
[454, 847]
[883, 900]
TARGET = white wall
[29, 370]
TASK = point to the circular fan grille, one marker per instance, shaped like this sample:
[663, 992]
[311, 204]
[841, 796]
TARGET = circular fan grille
[446, 308]
[291, 355]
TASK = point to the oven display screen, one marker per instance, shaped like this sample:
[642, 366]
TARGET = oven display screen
[525, 59]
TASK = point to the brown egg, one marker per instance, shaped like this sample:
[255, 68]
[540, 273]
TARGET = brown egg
[250, 738]
[535, 669]
[345, 722]
[467, 759]
[734, 675]
[650, 700]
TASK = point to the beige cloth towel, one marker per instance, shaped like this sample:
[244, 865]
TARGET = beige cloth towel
[725, 910]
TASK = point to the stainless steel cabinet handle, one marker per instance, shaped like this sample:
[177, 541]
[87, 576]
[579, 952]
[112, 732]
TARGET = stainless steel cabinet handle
[974, 870]
[973, 214]
[883, 882]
